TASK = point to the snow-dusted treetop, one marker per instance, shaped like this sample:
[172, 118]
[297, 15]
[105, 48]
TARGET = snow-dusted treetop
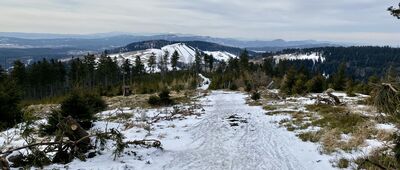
[315, 57]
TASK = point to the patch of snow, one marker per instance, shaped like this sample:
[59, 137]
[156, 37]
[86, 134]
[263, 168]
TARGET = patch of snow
[386, 127]
[205, 84]
[221, 55]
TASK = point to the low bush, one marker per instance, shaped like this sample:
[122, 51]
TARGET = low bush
[233, 86]
[163, 99]
[80, 106]
[10, 98]
[255, 96]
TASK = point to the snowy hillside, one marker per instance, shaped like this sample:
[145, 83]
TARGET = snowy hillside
[315, 57]
[186, 54]
[220, 56]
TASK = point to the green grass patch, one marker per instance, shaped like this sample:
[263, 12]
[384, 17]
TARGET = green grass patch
[343, 163]
[310, 136]
[336, 117]
[269, 107]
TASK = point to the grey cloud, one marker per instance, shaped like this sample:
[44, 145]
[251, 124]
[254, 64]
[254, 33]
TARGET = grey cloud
[339, 20]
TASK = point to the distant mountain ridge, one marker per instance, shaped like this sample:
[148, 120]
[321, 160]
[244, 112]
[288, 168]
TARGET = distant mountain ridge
[107, 40]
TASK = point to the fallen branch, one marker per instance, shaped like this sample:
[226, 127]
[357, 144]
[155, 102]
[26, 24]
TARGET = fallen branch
[146, 142]
[29, 146]
[390, 87]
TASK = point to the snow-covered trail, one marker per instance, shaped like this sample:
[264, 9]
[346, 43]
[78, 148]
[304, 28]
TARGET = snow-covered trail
[256, 143]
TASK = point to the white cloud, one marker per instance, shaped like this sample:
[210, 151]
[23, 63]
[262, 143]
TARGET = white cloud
[251, 19]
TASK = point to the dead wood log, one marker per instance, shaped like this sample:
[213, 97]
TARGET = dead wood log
[73, 130]
[335, 98]
[4, 165]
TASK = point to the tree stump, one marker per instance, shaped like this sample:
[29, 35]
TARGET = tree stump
[73, 130]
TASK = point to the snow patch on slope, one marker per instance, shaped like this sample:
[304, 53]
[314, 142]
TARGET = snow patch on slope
[315, 57]
[205, 84]
[186, 53]
[221, 55]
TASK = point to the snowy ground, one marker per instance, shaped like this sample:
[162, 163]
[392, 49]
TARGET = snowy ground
[228, 134]
[222, 133]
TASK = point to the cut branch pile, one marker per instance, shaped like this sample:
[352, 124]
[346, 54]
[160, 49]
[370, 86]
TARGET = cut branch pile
[72, 142]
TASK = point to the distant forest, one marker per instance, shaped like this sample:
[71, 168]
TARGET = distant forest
[361, 62]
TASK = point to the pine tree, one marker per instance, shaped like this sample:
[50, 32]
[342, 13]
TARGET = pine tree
[18, 73]
[316, 84]
[395, 12]
[244, 60]
[268, 67]
[90, 63]
[3, 74]
[289, 81]
[139, 67]
[163, 65]
[152, 62]
[127, 69]
[174, 60]
[197, 62]
[10, 98]
[209, 60]
[339, 79]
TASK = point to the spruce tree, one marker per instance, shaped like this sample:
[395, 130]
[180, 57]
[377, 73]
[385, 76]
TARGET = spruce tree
[395, 11]
[18, 73]
[127, 69]
[174, 60]
[152, 62]
[244, 60]
[316, 84]
[197, 62]
[289, 81]
[339, 79]
[209, 60]
[10, 98]
[90, 63]
[139, 67]
[163, 65]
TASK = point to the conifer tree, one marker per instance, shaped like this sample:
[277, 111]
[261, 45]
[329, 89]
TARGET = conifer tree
[209, 60]
[316, 84]
[10, 97]
[152, 62]
[139, 67]
[244, 60]
[339, 79]
[395, 11]
[127, 70]
[90, 63]
[163, 65]
[288, 82]
[18, 73]
[174, 60]
[197, 62]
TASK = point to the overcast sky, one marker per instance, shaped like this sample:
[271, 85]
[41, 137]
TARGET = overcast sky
[363, 21]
